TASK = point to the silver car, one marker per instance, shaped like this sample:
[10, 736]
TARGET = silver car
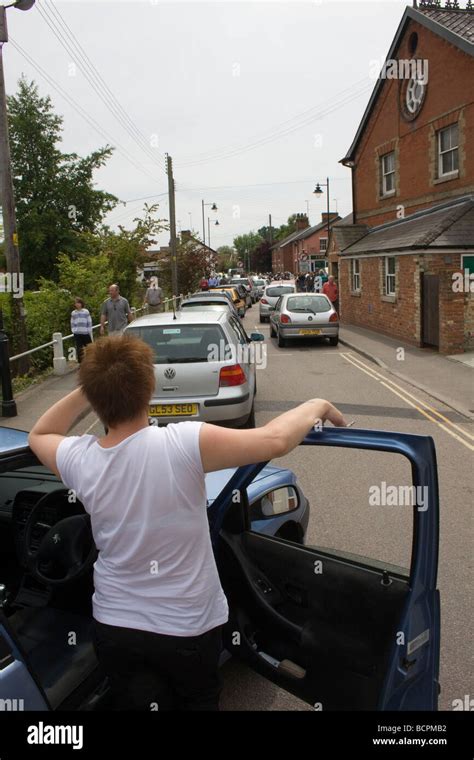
[260, 286]
[204, 302]
[204, 367]
[270, 296]
[304, 315]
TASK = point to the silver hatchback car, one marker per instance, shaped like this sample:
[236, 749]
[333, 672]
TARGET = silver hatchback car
[204, 367]
[304, 315]
[270, 296]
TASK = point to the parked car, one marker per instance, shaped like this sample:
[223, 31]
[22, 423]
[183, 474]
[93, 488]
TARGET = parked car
[249, 285]
[243, 290]
[304, 315]
[213, 301]
[270, 296]
[361, 635]
[260, 286]
[237, 300]
[204, 368]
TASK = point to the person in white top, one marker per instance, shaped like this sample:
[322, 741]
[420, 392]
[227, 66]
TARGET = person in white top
[158, 604]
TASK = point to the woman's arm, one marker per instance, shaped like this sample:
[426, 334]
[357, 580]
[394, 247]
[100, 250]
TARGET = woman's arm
[222, 447]
[52, 426]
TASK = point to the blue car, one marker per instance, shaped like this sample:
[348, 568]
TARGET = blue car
[337, 630]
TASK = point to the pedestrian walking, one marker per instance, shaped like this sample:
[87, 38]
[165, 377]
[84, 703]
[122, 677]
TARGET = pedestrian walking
[81, 327]
[331, 290]
[116, 311]
[154, 297]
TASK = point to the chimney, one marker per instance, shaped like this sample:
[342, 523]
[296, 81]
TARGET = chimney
[185, 235]
[333, 216]
[301, 222]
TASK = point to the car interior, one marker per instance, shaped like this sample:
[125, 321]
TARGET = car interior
[51, 622]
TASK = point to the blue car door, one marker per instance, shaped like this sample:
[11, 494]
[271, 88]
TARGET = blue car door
[358, 636]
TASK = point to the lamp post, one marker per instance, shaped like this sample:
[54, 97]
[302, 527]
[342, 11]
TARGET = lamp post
[209, 230]
[317, 191]
[213, 208]
[12, 253]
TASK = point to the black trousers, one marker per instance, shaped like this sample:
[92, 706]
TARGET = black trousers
[151, 671]
[81, 342]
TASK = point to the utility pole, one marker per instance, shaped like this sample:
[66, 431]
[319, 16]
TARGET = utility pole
[174, 264]
[271, 229]
[7, 199]
[203, 225]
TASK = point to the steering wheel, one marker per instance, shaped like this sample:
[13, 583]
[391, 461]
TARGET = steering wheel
[67, 548]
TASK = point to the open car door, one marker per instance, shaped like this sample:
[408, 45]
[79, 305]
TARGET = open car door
[338, 630]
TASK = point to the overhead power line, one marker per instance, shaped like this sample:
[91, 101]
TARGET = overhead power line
[90, 120]
[74, 49]
[301, 120]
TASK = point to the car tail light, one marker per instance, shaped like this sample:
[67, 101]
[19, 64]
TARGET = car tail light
[334, 317]
[284, 318]
[232, 375]
[264, 300]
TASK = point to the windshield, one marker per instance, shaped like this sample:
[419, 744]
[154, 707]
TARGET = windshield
[259, 282]
[279, 290]
[183, 343]
[316, 304]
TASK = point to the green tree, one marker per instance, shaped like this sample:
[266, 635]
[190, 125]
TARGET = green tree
[246, 246]
[226, 257]
[55, 195]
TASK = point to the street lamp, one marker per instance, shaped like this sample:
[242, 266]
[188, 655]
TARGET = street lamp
[317, 191]
[213, 208]
[12, 253]
[209, 229]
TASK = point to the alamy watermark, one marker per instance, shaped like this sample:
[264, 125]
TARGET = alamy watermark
[12, 282]
[403, 68]
[384, 495]
[463, 282]
[251, 353]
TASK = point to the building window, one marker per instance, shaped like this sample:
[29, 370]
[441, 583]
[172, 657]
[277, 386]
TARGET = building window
[387, 173]
[323, 244]
[355, 275]
[448, 150]
[389, 275]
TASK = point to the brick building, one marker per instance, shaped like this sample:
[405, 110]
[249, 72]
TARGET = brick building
[412, 163]
[305, 250]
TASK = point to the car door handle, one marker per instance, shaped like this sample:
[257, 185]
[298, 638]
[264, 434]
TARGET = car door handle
[297, 594]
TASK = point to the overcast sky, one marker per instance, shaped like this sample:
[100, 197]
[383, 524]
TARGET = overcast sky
[204, 82]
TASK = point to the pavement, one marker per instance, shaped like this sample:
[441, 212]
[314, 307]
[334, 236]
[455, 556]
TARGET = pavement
[36, 399]
[449, 379]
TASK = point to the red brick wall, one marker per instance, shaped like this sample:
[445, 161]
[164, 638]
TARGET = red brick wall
[403, 318]
[449, 98]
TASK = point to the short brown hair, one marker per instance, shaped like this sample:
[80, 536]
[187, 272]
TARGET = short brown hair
[117, 377]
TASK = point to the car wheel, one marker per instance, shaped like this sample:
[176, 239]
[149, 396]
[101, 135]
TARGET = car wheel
[272, 330]
[334, 341]
[251, 418]
[281, 340]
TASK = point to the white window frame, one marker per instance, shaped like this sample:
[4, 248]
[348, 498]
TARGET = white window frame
[385, 174]
[355, 275]
[389, 278]
[452, 149]
[323, 248]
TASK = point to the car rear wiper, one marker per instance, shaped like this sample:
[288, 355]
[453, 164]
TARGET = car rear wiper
[188, 360]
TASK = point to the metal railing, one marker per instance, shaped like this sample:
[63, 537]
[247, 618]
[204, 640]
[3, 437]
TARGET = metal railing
[57, 343]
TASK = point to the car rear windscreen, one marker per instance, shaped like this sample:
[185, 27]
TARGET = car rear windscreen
[318, 304]
[279, 290]
[183, 343]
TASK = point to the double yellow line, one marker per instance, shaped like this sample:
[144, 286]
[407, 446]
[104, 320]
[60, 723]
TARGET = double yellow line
[446, 425]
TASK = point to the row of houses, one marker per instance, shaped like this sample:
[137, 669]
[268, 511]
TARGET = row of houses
[404, 257]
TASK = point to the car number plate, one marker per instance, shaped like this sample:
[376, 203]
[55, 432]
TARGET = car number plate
[310, 332]
[173, 410]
